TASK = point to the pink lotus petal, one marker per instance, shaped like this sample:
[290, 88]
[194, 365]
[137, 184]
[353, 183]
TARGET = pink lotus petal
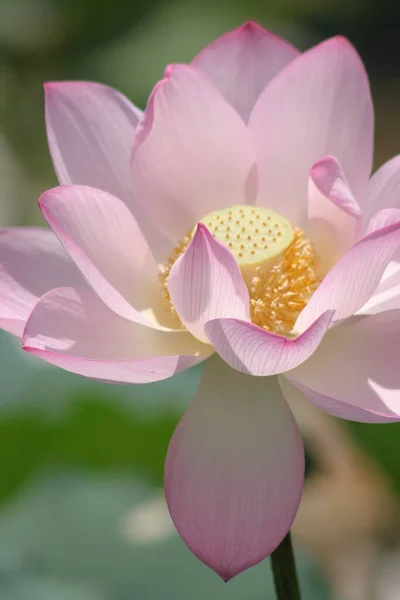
[383, 218]
[76, 331]
[234, 470]
[319, 104]
[242, 62]
[192, 154]
[206, 282]
[104, 240]
[328, 177]
[333, 213]
[14, 326]
[90, 129]
[387, 294]
[353, 279]
[253, 350]
[355, 372]
[32, 261]
[383, 189]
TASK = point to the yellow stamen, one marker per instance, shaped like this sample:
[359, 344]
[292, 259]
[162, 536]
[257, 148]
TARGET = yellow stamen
[278, 264]
[277, 299]
[166, 268]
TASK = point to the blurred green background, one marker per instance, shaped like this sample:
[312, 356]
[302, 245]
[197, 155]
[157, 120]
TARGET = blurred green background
[82, 515]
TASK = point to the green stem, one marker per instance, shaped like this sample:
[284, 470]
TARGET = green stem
[284, 571]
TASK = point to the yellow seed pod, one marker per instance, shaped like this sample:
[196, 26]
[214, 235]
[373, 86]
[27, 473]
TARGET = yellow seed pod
[256, 236]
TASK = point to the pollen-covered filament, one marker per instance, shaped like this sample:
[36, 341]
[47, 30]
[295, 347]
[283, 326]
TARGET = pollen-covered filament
[278, 264]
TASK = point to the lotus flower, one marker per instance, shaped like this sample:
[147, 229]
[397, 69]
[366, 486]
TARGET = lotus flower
[233, 222]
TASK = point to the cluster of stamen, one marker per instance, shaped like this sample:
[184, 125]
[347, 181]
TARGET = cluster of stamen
[166, 269]
[278, 264]
[277, 299]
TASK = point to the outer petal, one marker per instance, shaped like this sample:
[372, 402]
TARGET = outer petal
[234, 470]
[32, 261]
[355, 374]
[205, 283]
[104, 240]
[76, 331]
[319, 104]
[333, 213]
[250, 349]
[90, 129]
[242, 62]
[193, 153]
[354, 278]
[383, 189]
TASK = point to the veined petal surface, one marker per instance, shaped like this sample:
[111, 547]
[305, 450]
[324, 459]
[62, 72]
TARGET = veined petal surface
[76, 331]
[242, 62]
[234, 470]
[206, 283]
[318, 105]
[355, 373]
[192, 155]
[32, 262]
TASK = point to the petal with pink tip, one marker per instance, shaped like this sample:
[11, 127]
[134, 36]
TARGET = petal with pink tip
[90, 129]
[333, 213]
[234, 470]
[76, 331]
[193, 153]
[328, 177]
[383, 189]
[355, 373]
[32, 262]
[253, 350]
[354, 278]
[104, 240]
[205, 283]
[242, 62]
[319, 104]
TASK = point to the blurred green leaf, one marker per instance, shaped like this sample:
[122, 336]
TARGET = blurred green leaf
[93, 434]
[109, 537]
[27, 587]
[24, 447]
[101, 436]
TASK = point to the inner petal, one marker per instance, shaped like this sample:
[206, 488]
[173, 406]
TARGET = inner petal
[279, 265]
